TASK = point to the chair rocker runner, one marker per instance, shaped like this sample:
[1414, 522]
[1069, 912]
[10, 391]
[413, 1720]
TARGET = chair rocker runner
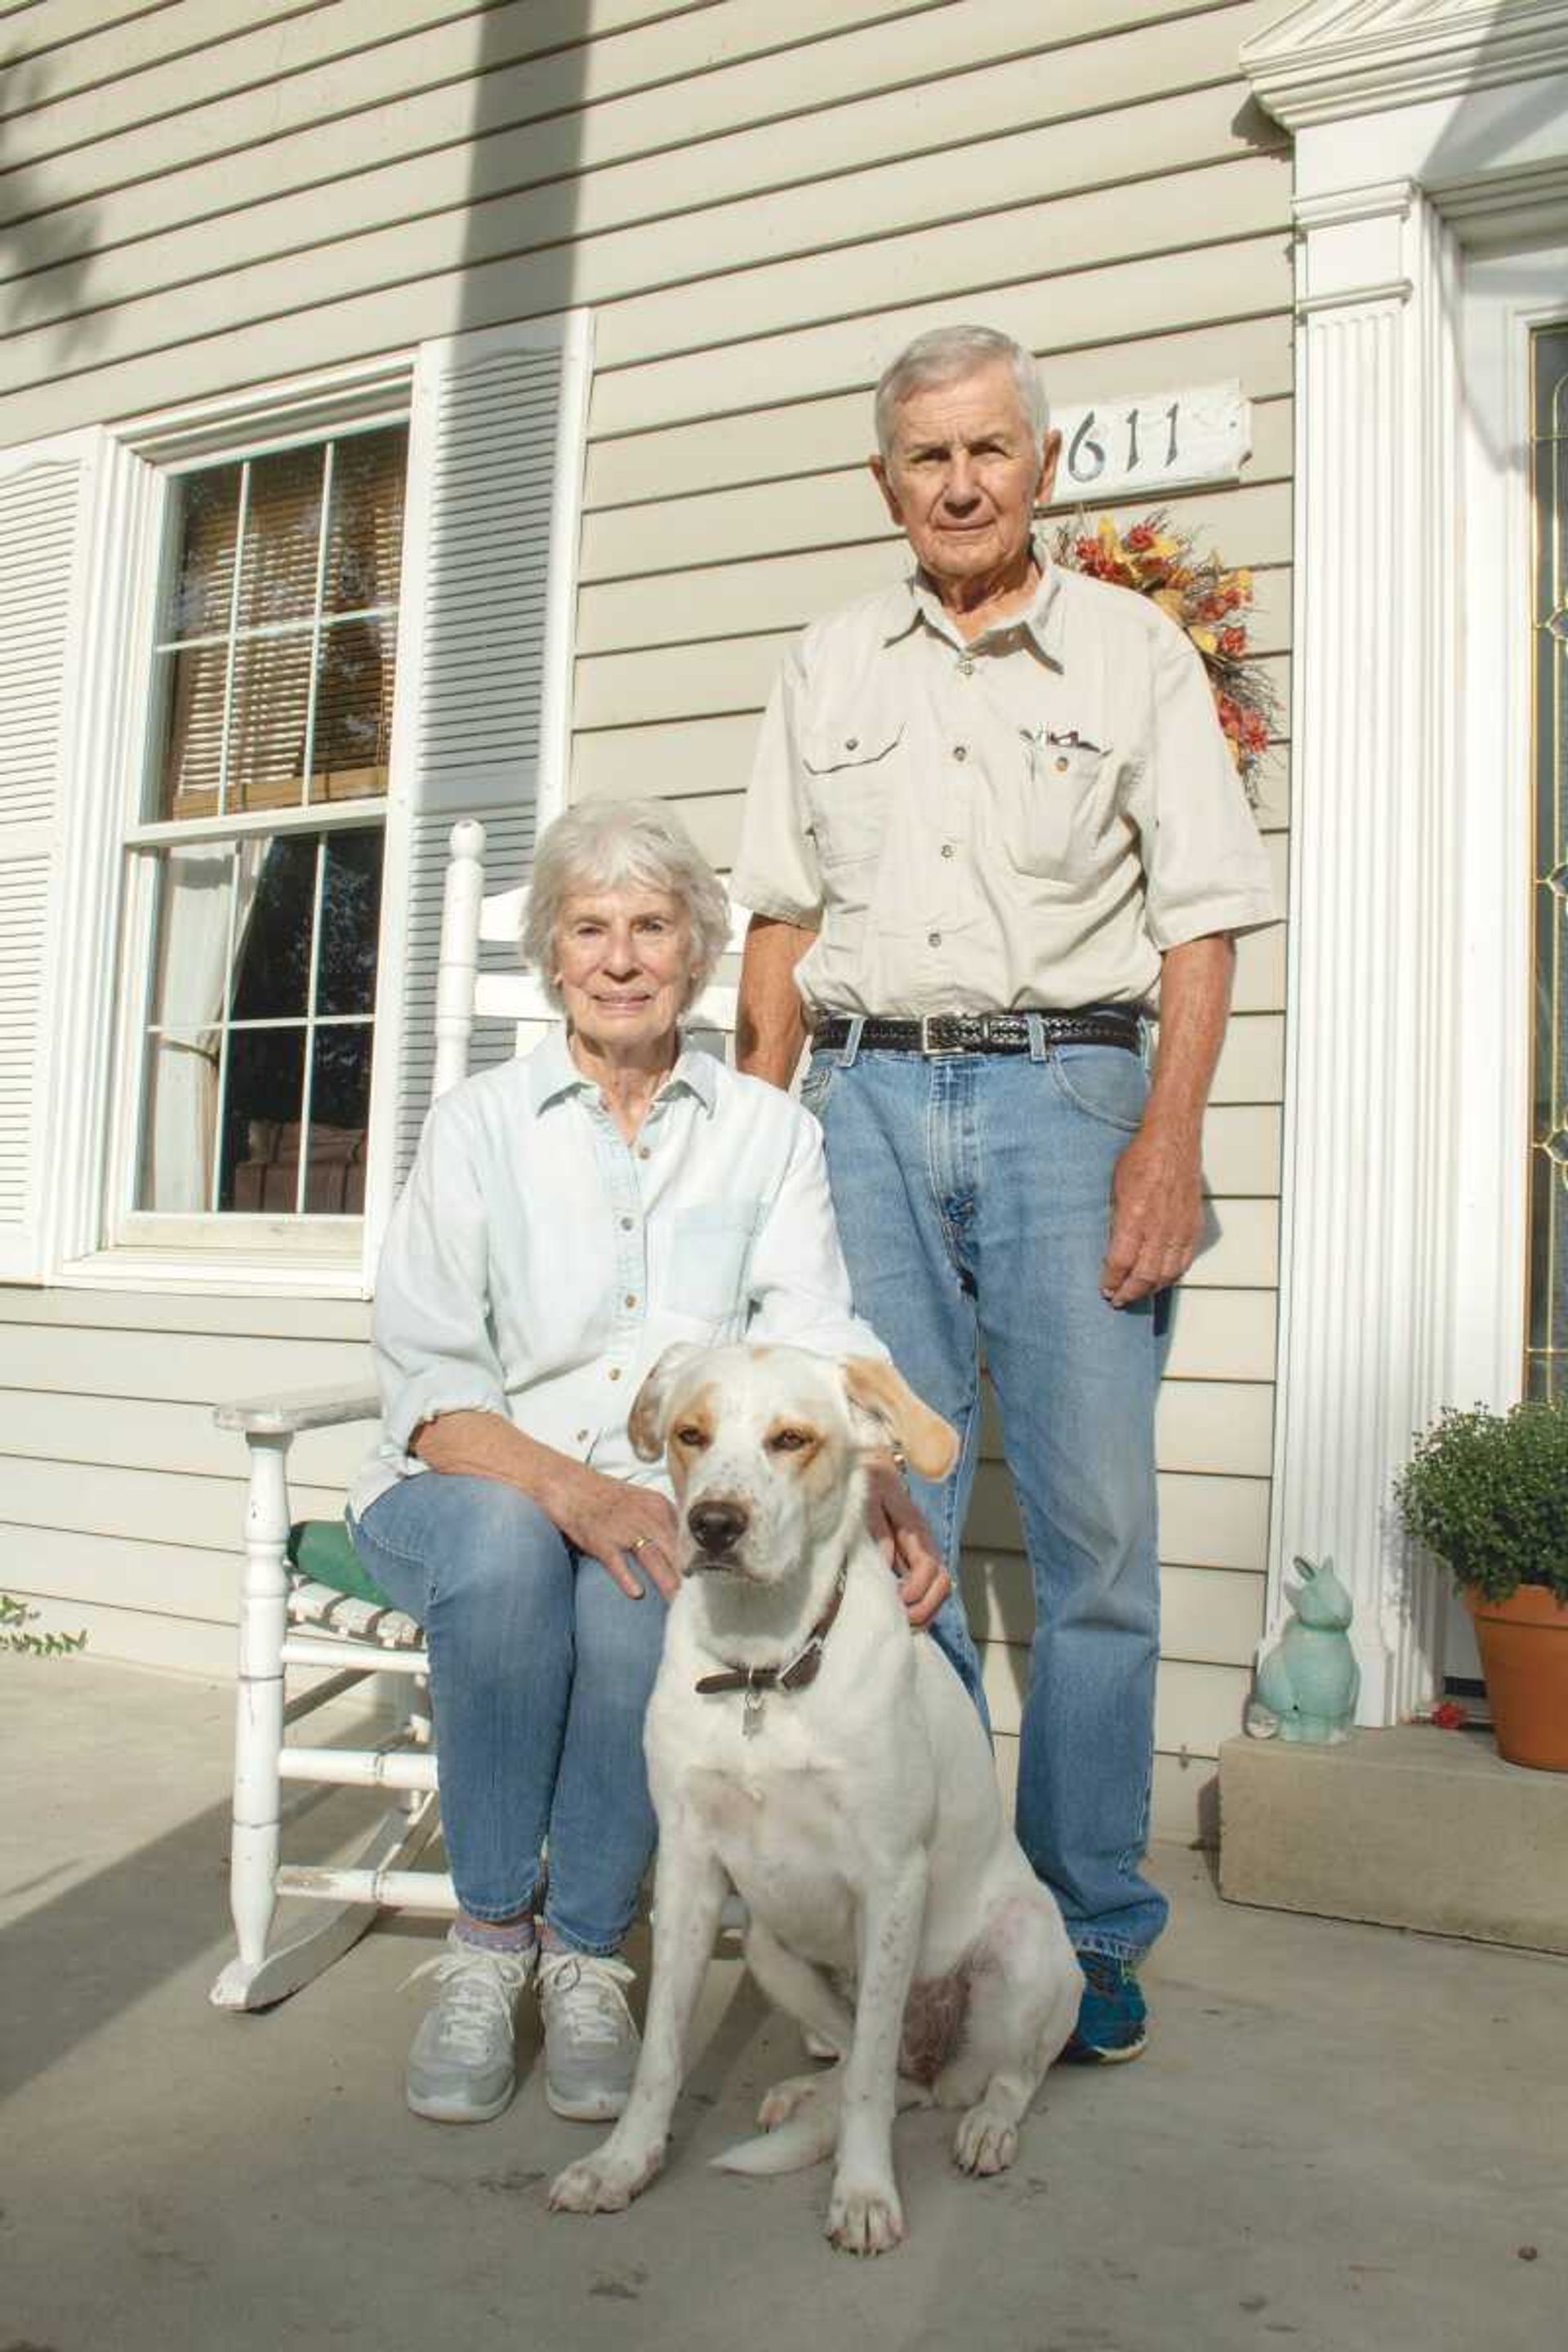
[306, 1601]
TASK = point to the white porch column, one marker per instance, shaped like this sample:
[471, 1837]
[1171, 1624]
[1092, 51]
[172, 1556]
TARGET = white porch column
[1363, 1340]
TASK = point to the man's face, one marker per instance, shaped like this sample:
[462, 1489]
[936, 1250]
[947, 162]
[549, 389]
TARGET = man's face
[964, 474]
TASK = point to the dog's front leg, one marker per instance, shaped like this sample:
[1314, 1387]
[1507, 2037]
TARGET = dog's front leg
[864, 2214]
[689, 1890]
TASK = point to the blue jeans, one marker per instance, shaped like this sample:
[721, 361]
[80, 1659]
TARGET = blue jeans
[540, 1670]
[972, 1198]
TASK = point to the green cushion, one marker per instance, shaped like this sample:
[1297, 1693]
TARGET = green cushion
[323, 1551]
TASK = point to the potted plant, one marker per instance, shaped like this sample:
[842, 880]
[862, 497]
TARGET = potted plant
[1488, 1493]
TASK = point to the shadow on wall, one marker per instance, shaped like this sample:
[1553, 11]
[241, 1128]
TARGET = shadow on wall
[46, 247]
[522, 65]
[531, 74]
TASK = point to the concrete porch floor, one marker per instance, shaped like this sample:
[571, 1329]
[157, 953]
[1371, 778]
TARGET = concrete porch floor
[1341, 2136]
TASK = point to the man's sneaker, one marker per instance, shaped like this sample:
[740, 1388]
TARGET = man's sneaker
[461, 2068]
[590, 2042]
[1112, 2020]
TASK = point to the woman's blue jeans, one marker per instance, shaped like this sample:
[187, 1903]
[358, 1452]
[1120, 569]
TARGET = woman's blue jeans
[972, 1198]
[540, 1670]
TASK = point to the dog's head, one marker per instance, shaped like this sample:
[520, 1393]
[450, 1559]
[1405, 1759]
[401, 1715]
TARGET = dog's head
[764, 1446]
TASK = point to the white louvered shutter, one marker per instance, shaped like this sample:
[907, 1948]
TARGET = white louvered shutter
[490, 591]
[45, 498]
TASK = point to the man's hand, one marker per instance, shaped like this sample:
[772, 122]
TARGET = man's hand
[905, 1541]
[1156, 1193]
[1156, 1215]
[608, 1520]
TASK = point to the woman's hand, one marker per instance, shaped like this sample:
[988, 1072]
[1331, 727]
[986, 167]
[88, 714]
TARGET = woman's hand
[606, 1519]
[602, 1516]
[906, 1542]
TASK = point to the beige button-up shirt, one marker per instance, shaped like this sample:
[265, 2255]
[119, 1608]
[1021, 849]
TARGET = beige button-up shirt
[1026, 821]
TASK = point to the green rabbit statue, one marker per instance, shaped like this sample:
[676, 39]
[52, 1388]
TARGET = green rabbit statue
[1307, 1683]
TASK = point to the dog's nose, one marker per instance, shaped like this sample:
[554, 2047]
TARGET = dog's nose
[718, 1527]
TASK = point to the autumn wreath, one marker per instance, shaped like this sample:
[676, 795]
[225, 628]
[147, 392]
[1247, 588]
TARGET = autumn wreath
[1161, 560]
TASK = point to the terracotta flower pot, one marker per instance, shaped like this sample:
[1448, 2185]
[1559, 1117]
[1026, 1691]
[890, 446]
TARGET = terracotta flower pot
[1523, 1643]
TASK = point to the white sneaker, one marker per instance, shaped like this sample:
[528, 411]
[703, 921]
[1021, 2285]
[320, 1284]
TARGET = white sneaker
[462, 2067]
[590, 2042]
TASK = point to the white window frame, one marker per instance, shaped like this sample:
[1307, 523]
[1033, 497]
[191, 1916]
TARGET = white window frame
[108, 898]
[227, 1235]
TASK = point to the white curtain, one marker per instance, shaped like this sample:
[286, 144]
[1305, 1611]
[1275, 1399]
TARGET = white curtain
[192, 990]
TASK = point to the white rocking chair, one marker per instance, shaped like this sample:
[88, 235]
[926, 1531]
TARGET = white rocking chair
[307, 1602]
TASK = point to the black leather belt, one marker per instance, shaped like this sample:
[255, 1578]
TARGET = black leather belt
[984, 1033]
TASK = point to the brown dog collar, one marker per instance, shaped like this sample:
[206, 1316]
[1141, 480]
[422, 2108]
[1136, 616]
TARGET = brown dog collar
[800, 1671]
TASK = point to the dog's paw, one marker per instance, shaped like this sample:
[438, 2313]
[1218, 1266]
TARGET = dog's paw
[599, 2184]
[864, 2220]
[786, 2098]
[985, 2141]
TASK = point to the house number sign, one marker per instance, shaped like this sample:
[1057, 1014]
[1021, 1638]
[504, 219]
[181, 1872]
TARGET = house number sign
[1160, 441]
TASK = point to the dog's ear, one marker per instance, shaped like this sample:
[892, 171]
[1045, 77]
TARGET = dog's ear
[923, 1436]
[648, 1424]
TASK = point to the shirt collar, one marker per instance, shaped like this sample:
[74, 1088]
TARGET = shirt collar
[553, 1075]
[917, 603]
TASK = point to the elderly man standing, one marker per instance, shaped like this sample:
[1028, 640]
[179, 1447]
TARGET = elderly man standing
[992, 814]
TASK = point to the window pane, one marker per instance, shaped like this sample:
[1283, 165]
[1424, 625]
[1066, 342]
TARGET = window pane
[340, 1119]
[190, 964]
[272, 965]
[353, 710]
[190, 688]
[351, 914]
[364, 536]
[266, 722]
[256, 901]
[282, 537]
[179, 1105]
[235, 722]
[264, 1100]
[204, 518]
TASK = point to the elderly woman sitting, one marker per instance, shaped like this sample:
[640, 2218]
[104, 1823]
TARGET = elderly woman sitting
[568, 1216]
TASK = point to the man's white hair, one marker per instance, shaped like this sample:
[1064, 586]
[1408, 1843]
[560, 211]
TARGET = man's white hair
[605, 846]
[945, 354]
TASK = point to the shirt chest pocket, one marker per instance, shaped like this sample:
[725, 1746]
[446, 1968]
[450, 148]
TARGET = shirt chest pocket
[851, 762]
[1049, 814]
[708, 1251]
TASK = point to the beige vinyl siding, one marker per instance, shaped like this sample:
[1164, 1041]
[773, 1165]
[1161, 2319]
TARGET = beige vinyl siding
[758, 207]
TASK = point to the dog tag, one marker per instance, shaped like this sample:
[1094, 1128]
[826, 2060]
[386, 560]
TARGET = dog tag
[752, 1711]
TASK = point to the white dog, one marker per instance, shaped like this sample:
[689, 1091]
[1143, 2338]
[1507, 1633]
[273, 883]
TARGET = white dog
[804, 1743]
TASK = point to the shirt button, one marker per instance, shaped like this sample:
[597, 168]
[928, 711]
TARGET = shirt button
[643, 1151]
[615, 1371]
[582, 1437]
[631, 1298]
[933, 938]
[961, 751]
[947, 849]
[851, 743]
[627, 1224]
[1061, 767]
[966, 667]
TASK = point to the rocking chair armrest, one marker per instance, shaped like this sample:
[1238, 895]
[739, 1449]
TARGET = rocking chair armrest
[287, 1415]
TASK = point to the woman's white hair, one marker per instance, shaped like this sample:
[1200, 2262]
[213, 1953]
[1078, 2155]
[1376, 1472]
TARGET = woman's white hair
[605, 846]
[944, 355]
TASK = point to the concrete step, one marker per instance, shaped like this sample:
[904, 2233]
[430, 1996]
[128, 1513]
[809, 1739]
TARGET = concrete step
[1410, 1828]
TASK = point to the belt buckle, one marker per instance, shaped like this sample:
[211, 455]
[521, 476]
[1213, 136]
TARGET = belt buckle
[929, 1021]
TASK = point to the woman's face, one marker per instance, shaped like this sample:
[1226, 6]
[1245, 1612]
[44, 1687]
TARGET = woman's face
[624, 958]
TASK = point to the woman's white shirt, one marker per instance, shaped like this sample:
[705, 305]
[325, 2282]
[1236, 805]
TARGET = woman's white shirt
[537, 1265]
